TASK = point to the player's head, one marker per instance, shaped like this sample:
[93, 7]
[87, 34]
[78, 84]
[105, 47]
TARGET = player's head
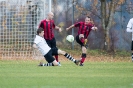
[87, 20]
[40, 32]
[50, 15]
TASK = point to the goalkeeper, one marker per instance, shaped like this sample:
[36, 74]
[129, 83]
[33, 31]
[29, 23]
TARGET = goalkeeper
[83, 32]
[40, 43]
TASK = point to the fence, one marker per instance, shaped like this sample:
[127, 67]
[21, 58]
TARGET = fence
[18, 23]
[19, 20]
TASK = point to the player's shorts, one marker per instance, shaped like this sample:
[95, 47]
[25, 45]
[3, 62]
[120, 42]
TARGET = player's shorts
[78, 41]
[51, 43]
[132, 46]
[49, 56]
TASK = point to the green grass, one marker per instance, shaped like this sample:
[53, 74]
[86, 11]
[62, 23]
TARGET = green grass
[26, 74]
[97, 52]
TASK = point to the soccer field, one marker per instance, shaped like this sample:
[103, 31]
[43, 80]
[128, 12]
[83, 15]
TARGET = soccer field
[26, 74]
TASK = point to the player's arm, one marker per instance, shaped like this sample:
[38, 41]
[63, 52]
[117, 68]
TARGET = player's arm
[35, 46]
[70, 27]
[129, 29]
[58, 28]
[129, 26]
[94, 28]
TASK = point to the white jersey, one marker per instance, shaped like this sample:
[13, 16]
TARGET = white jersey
[41, 44]
[130, 27]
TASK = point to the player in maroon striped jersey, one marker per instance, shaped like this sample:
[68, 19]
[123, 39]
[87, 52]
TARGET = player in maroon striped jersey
[83, 32]
[49, 26]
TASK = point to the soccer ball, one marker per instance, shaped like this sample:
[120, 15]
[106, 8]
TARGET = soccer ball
[70, 38]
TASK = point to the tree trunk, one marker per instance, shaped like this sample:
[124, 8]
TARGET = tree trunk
[103, 12]
[107, 22]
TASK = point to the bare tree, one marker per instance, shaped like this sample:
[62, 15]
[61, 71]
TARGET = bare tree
[107, 20]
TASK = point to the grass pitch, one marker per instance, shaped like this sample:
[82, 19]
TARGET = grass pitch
[26, 74]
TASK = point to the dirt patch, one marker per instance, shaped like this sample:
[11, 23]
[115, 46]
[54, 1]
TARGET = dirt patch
[62, 58]
[100, 58]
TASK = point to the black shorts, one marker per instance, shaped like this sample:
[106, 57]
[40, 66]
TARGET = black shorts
[132, 46]
[51, 43]
[78, 41]
[49, 56]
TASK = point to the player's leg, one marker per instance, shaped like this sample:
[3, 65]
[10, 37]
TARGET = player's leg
[50, 59]
[83, 56]
[132, 55]
[132, 50]
[68, 56]
[46, 64]
[54, 63]
[81, 38]
[81, 43]
[53, 45]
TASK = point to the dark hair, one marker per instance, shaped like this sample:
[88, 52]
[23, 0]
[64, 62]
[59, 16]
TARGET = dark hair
[39, 30]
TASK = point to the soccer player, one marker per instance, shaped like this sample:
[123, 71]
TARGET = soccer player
[83, 32]
[49, 26]
[130, 29]
[40, 43]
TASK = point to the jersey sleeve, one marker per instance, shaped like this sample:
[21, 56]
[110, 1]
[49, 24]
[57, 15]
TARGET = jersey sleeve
[36, 41]
[130, 26]
[41, 25]
[91, 26]
[53, 25]
[77, 24]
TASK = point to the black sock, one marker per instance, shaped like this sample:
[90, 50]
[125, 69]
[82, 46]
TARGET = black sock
[132, 56]
[70, 57]
[48, 64]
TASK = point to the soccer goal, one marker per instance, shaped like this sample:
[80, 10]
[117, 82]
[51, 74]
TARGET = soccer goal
[19, 20]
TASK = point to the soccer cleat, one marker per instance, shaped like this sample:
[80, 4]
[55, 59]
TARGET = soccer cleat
[86, 46]
[85, 42]
[81, 64]
[41, 64]
[77, 62]
[59, 64]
